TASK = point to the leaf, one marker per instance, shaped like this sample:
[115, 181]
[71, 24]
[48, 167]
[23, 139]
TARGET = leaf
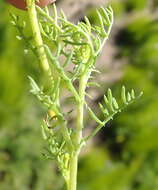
[84, 27]
[94, 116]
[55, 12]
[107, 21]
[112, 106]
[104, 110]
[44, 133]
[107, 103]
[115, 103]
[123, 95]
[93, 84]
[34, 87]
[19, 37]
[110, 13]
[132, 94]
[68, 60]
[101, 22]
[88, 23]
[141, 94]
[88, 95]
[74, 43]
[96, 71]
[116, 109]
[128, 97]
[63, 14]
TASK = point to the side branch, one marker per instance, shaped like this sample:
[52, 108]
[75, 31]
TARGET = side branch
[61, 71]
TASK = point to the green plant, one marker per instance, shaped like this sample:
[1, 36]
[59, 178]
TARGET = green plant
[72, 61]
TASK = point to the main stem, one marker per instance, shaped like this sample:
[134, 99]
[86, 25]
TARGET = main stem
[31, 7]
[72, 185]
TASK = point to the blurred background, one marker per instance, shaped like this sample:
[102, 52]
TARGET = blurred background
[124, 155]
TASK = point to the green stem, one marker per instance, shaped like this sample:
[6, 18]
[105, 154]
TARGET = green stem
[72, 184]
[37, 36]
[80, 109]
[78, 137]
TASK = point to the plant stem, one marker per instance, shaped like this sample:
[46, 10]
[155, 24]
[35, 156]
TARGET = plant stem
[80, 109]
[78, 137]
[37, 36]
[72, 184]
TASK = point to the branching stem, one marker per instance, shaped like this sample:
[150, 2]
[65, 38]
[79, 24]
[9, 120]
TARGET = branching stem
[71, 33]
[80, 44]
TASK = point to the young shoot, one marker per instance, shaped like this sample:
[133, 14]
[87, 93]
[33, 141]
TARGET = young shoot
[68, 54]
